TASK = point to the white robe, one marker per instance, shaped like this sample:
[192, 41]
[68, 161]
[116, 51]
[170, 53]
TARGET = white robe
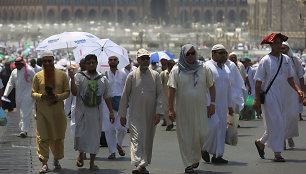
[216, 141]
[293, 104]
[143, 92]
[274, 109]
[24, 101]
[88, 119]
[191, 110]
[251, 73]
[69, 107]
[114, 133]
[237, 86]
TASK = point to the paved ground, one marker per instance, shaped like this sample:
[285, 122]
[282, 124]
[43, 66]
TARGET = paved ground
[19, 155]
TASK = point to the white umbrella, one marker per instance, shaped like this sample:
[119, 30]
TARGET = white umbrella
[66, 40]
[103, 49]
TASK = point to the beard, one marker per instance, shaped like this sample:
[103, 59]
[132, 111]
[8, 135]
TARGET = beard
[113, 66]
[49, 76]
[92, 71]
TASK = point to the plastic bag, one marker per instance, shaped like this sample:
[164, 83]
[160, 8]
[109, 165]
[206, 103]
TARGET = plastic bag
[3, 119]
[248, 112]
[249, 101]
[231, 137]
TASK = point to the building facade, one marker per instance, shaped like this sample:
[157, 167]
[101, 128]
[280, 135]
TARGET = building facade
[288, 17]
[125, 11]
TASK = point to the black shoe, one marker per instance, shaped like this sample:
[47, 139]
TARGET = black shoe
[218, 160]
[164, 124]
[169, 127]
[279, 159]
[205, 156]
[144, 170]
[260, 152]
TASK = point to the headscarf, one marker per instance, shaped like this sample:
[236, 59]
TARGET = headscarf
[184, 66]
[290, 53]
[26, 74]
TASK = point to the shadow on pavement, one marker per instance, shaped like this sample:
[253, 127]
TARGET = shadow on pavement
[298, 149]
[210, 172]
[247, 127]
[84, 170]
[117, 159]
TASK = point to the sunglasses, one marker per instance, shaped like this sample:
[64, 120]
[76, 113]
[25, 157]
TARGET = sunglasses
[144, 58]
[111, 60]
[190, 53]
[47, 60]
[91, 62]
[222, 52]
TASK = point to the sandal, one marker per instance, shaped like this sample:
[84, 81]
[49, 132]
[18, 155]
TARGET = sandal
[112, 156]
[57, 165]
[260, 152]
[138, 170]
[44, 169]
[279, 159]
[291, 145]
[79, 161]
[120, 150]
[195, 165]
[93, 167]
[189, 169]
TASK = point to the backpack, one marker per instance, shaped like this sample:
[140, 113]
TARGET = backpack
[92, 97]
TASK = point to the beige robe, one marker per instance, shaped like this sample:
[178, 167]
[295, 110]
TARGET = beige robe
[164, 77]
[143, 93]
[191, 111]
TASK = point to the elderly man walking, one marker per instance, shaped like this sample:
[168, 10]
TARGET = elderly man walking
[50, 88]
[273, 74]
[188, 83]
[216, 141]
[21, 78]
[143, 94]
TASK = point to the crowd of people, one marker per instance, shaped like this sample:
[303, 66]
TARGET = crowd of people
[135, 99]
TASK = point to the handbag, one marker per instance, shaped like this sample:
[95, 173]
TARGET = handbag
[262, 94]
[3, 119]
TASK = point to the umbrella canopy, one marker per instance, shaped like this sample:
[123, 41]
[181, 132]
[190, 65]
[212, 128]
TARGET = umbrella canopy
[103, 49]
[156, 56]
[66, 40]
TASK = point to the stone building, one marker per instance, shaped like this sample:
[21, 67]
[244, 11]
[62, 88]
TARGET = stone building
[157, 11]
[288, 17]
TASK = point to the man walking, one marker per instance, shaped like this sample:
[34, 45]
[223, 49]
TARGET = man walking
[89, 87]
[143, 94]
[275, 66]
[188, 83]
[50, 88]
[21, 78]
[216, 140]
[115, 133]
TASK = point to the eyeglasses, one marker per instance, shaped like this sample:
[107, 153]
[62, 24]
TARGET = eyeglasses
[144, 58]
[91, 62]
[190, 53]
[47, 60]
[112, 60]
[222, 52]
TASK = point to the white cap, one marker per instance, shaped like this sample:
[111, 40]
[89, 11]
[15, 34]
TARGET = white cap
[142, 52]
[217, 47]
[232, 53]
[47, 53]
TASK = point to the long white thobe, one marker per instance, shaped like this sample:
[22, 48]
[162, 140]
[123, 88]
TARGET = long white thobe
[215, 142]
[113, 137]
[88, 119]
[237, 86]
[294, 107]
[274, 109]
[24, 101]
[143, 92]
[69, 107]
[191, 110]
[251, 73]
